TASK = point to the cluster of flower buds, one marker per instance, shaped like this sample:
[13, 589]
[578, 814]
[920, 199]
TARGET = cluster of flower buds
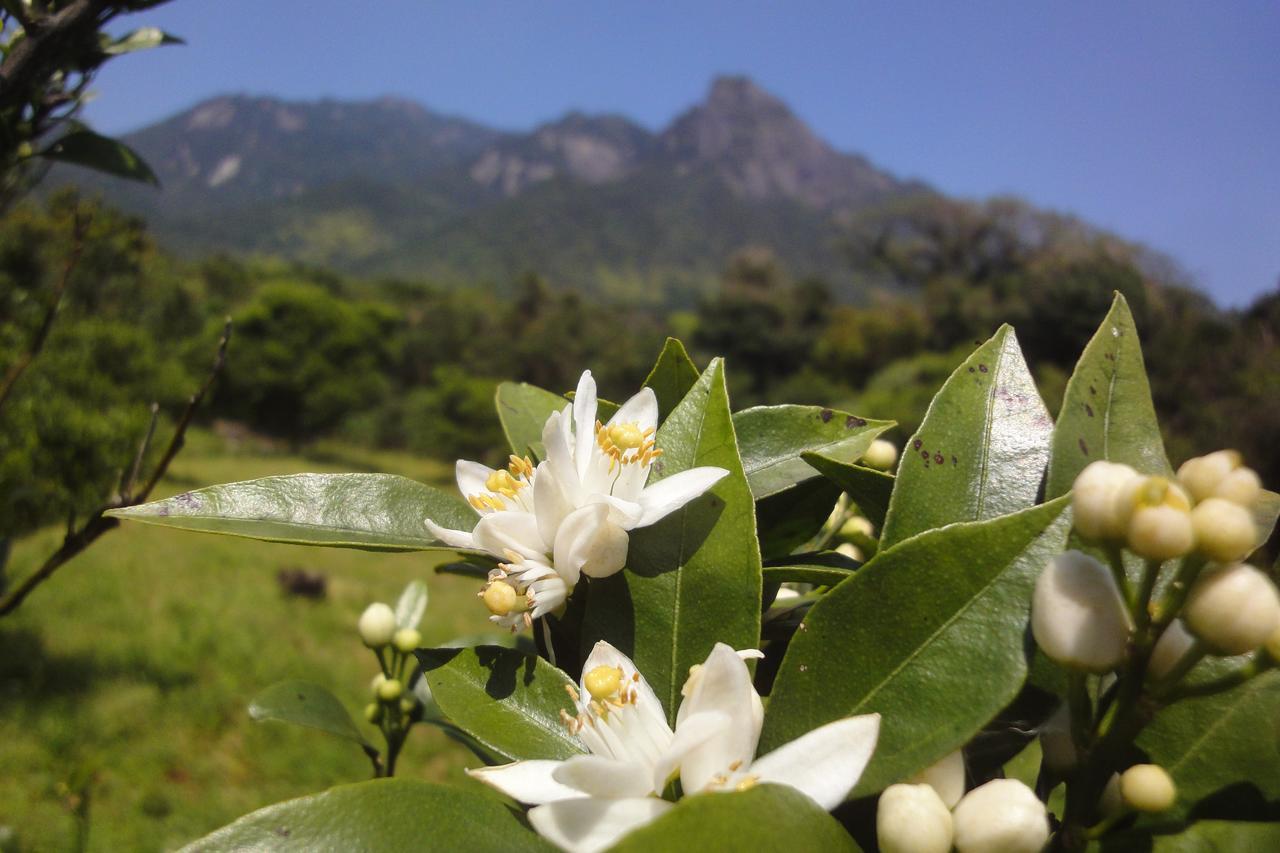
[931, 814]
[392, 635]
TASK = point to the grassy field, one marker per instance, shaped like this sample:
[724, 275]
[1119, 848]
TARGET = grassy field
[135, 663]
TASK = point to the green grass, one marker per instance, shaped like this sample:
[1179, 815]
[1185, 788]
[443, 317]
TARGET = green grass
[137, 660]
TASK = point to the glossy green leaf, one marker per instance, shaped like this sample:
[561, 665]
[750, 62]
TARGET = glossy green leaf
[523, 410]
[411, 605]
[1107, 411]
[764, 819]
[771, 440]
[507, 700]
[1206, 836]
[788, 520]
[1213, 742]
[101, 153]
[672, 376]
[800, 573]
[693, 579]
[373, 512]
[868, 488]
[143, 38]
[930, 633]
[981, 450]
[305, 704]
[384, 814]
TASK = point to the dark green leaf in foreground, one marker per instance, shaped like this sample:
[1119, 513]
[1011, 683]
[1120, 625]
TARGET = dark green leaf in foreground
[693, 579]
[772, 438]
[930, 633]
[1107, 411]
[384, 814]
[868, 488]
[305, 704]
[672, 376]
[981, 450]
[373, 512]
[1212, 743]
[800, 573]
[788, 520]
[102, 153]
[523, 410]
[507, 700]
[764, 819]
[1206, 836]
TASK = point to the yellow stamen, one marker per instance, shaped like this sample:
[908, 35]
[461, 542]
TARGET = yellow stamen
[502, 483]
[603, 681]
[626, 436]
[746, 783]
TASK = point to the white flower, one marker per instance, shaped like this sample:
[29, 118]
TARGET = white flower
[588, 802]
[571, 515]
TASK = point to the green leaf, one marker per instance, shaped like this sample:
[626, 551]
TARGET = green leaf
[1107, 411]
[1206, 836]
[1211, 743]
[384, 814]
[1266, 509]
[305, 704]
[817, 575]
[693, 579]
[523, 410]
[930, 634]
[786, 521]
[764, 819]
[672, 376]
[507, 700]
[373, 512]
[870, 489]
[981, 450]
[102, 153]
[772, 438]
[411, 605]
[143, 38]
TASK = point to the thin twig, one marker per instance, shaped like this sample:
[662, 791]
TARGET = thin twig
[126, 485]
[98, 523]
[79, 229]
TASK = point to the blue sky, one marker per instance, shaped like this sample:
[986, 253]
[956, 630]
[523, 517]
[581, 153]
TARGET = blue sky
[1158, 120]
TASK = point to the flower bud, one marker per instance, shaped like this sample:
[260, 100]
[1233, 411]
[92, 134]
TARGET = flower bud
[912, 819]
[1173, 644]
[1112, 802]
[1147, 788]
[1002, 816]
[407, 703]
[848, 549]
[1160, 519]
[1093, 500]
[377, 625]
[1077, 615]
[373, 713]
[946, 777]
[1224, 531]
[856, 526]
[1059, 748]
[1241, 487]
[406, 640]
[881, 455]
[390, 690]
[1220, 475]
[1233, 609]
[376, 683]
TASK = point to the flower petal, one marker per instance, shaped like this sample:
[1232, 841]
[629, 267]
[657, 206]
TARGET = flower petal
[527, 781]
[510, 531]
[826, 763]
[556, 440]
[587, 825]
[584, 422]
[550, 503]
[589, 543]
[646, 704]
[471, 477]
[691, 734]
[596, 776]
[666, 496]
[641, 410]
[453, 538]
[722, 684]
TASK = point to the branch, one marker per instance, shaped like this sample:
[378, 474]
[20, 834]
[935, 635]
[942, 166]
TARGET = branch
[43, 39]
[80, 228]
[97, 523]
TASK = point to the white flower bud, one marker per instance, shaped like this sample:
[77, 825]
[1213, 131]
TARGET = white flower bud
[1233, 609]
[1147, 788]
[1112, 802]
[1201, 475]
[376, 684]
[881, 455]
[406, 640]
[1059, 748]
[373, 713]
[1077, 615]
[1224, 531]
[857, 526]
[946, 777]
[1173, 644]
[1002, 816]
[390, 690]
[848, 549]
[1160, 520]
[377, 625]
[1242, 486]
[1094, 500]
[912, 819]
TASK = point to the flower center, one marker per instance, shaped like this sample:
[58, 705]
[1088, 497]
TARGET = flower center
[504, 484]
[603, 682]
[626, 444]
[500, 597]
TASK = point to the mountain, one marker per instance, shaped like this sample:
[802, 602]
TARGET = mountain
[596, 202]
